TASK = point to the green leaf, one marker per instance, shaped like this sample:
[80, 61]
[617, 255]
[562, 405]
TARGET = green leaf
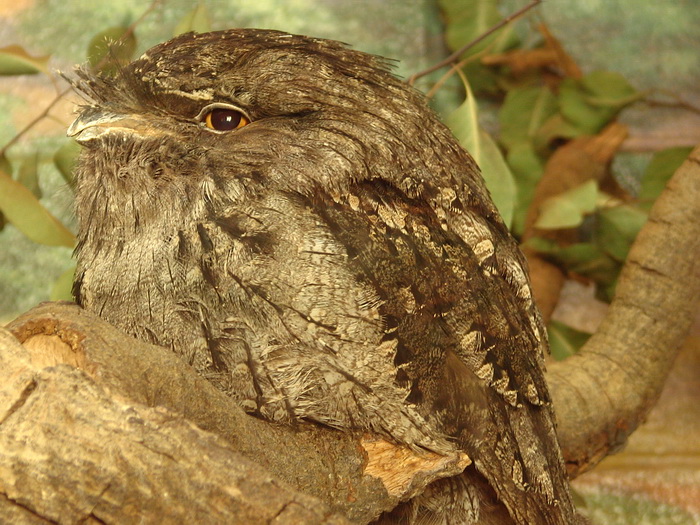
[14, 60]
[65, 159]
[28, 175]
[608, 89]
[661, 168]
[616, 228]
[23, 209]
[567, 209]
[482, 79]
[585, 259]
[464, 123]
[527, 168]
[555, 127]
[5, 164]
[565, 341]
[523, 113]
[466, 20]
[110, 48]
[62, 289]
[569, 256]
[196, 20]
[593, 101]
[578, 112]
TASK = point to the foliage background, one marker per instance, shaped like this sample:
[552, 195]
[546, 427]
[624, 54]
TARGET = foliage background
[654, 45]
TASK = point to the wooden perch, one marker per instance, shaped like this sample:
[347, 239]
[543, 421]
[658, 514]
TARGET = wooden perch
[96, 424]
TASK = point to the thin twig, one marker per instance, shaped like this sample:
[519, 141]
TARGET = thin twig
[129, 31]
[34, 121]
[454, 56]
[444, 78]
[678, 101]
[455, 67]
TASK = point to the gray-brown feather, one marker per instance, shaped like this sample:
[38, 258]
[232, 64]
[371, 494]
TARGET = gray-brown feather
[338, 259]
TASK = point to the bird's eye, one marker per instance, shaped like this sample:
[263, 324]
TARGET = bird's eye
[224, 119]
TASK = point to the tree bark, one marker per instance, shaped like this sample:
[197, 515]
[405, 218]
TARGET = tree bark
[604, 392]
[108, 419]
[70, 452]
[98, 427]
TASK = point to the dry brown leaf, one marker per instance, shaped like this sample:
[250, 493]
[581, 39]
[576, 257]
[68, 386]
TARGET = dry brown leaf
[547, 281]
[603, 147]
[552, 53]
[578, 161]
[581, 160]
[567, 64]
[521, 60]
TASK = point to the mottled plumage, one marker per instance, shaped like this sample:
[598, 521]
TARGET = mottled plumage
[335, 258]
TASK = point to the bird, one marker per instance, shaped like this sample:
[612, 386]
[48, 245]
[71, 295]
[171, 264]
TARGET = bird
[293, 220]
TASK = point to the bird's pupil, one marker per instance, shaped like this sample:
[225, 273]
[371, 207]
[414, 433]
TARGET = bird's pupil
[223, 119]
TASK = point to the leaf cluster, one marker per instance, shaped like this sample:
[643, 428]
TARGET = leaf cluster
[547, 162]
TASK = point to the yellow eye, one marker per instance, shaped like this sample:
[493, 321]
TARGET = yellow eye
[225, 119]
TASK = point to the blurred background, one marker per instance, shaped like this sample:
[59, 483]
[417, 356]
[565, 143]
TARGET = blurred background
[653, 46]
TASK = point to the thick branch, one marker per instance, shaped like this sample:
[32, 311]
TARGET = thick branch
[119, 379]
[70, 453]
[602, 394]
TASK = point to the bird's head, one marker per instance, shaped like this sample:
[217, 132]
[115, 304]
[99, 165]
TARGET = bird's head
[248, 101]
[236, 113]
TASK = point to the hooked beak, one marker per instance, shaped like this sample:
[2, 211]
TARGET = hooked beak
[93, 123]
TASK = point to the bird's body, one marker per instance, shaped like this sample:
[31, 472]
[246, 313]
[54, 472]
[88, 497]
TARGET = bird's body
[326, 251]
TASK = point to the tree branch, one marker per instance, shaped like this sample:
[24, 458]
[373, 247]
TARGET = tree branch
[71, 453]
[602, 394]
[108, 386]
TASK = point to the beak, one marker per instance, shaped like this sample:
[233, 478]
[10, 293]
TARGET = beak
[93, 123]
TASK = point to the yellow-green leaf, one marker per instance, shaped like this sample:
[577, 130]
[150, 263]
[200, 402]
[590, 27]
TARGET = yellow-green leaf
[464, 123]
[65, 158]
[608, 88]
[555, 127]
[5, 164]
[111, 47]
[527, 169]
[62, 289]
[14, 60]
[586, 259]
[565, 341]
[577, 111]
[28, 174]
[659, 171]
[567, 210]
[523, 113]
[465, 20]
[196, 20]
[616, 228]
[26, 213]
[590, 103]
